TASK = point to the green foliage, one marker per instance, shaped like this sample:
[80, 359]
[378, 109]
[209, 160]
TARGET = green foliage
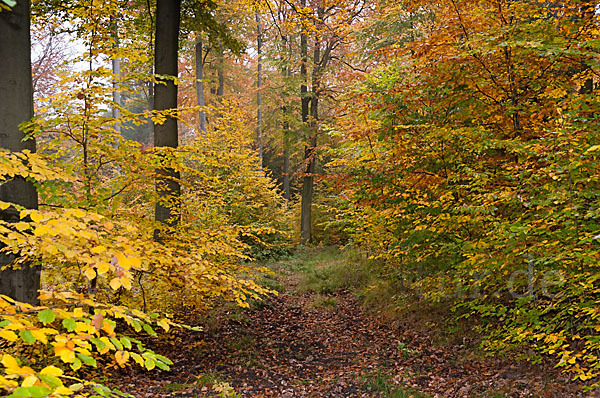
[472, 173]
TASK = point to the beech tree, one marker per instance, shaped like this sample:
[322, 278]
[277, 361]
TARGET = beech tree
[17, 107]
[165, 99]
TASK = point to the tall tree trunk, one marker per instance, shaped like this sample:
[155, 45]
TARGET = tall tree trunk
[287, 73]
[165, 97]
[286, 154]
[200, 86]
[587, 13]
[16, 107]
[306, 206]
[221, 70]
[258, 88]
[116, 68]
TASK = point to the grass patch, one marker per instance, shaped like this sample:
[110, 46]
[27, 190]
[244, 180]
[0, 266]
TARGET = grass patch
[242, 343]
[331, 269]
[174, 387]
[326, 302]
[381, 382]
[209, 379]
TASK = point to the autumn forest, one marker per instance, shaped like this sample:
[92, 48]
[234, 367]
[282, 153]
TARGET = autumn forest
[299, 198]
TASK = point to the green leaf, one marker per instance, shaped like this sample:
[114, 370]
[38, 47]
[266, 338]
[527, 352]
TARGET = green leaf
[116, 343]
[126, 342]
[46, 316]
[69, 324]
[150, 363]
[33, 391]
[10, 3]
[87, 359]
[148, 329]
[76, 365]
[52, 381]
[27, 337]
[164, 359]
[98, 343]
[137, 326]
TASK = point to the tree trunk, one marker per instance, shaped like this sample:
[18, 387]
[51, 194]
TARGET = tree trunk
[200, 86]
[286, 155]
[221, 71]
[116, 68]
[287, 73]
[16, 107]
[587, 13]
[258, 88]
[306, 207]
[165, 97]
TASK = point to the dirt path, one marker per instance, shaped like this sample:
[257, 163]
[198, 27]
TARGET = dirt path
[306, 345]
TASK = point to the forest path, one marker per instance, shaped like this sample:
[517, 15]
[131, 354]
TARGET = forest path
[305, 344]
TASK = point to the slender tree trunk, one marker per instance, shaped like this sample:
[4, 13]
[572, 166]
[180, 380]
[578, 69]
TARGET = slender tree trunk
[200, 85]
[116, 67]
[16, 107]
[306, 206]
[221, 71]
[587, 12]
[309, 151]
[286, 154]
[165, 97]
[287, 73]
[259, 138]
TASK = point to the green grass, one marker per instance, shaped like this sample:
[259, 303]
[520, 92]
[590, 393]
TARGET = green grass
[325, 302]
[209, 379]
[381, 382]
[174, 387]
[242, 343]
[329, 269]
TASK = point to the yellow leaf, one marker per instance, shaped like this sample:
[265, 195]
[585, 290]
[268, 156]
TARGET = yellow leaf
[102, 268]
[99, 249]
[89, 273]
[122, 357]
[163, 324]
[126, 283]
[78, 213]
[4, 205]
[64, 353]
[81, 327]
[593, 148]
[51, 371]
[6, 382]
[138, 358]
[39, 335]
[11, 364]
[78, 313]
[115, 283]
[29, 381]
[62, 390]
[8, 335]
[36, 216]
[41, 230]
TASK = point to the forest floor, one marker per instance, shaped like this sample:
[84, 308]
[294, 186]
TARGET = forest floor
[317, 341]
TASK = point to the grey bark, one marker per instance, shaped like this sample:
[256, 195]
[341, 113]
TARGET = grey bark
[221, 70]
[16, 107]
[200, 85]
[165, 97]
[116, 68]
[286, 123]
[306, 206]
[259, 138]
[286, 155]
